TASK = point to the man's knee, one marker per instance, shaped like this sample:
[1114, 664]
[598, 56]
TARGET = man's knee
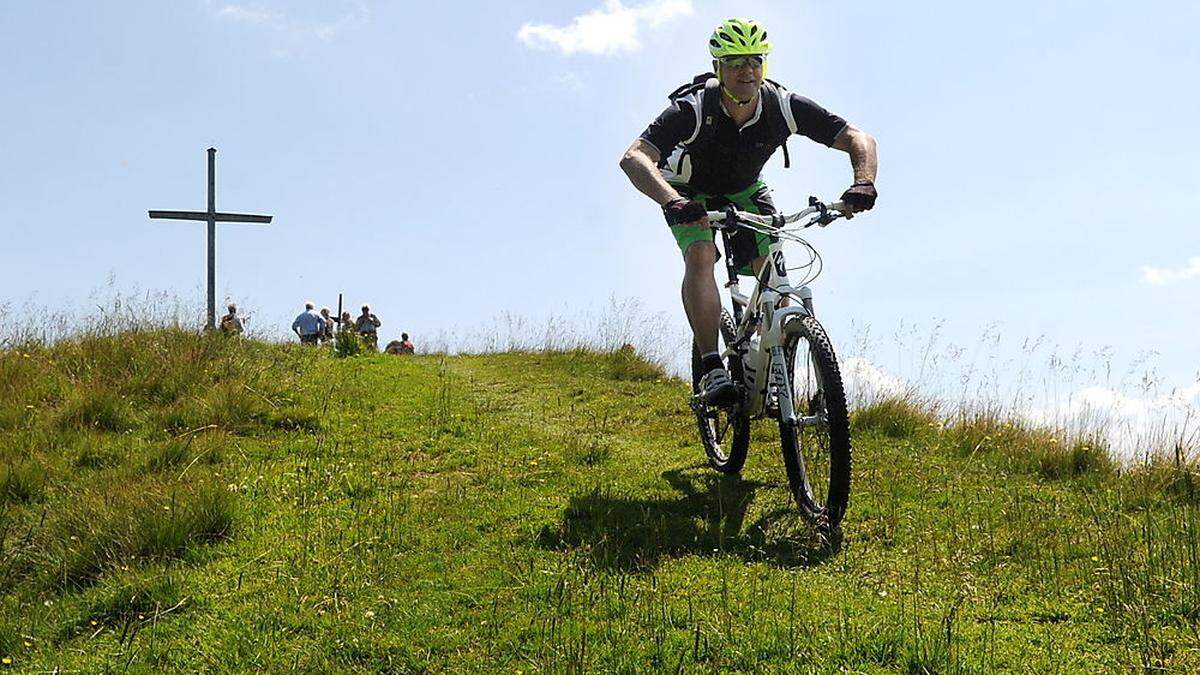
[700, 257]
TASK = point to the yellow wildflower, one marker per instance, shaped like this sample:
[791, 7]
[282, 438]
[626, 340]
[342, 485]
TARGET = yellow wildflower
[6, 661]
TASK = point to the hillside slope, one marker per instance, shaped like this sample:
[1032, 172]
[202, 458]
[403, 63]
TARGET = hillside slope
[174, 501]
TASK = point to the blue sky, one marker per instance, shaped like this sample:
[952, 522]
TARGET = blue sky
[451, 161]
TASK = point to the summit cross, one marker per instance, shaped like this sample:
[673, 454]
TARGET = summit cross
[212, 217]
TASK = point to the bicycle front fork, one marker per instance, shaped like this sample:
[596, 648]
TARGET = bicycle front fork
[779, 387]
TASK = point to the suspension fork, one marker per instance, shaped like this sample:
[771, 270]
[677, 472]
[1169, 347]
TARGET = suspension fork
[780, 384]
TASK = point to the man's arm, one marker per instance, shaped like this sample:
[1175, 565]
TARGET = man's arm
[861, 147]
[640, 163]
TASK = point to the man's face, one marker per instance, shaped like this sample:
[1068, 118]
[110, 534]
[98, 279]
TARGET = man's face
[741, 75]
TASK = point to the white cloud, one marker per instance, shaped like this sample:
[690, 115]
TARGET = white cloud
[1159, 276]
[244, 14]
[1132, 426]
[864, 381]
[323, 30]
[1131, 423]
[607, 31]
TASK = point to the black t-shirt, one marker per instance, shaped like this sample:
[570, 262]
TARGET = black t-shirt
[676, 132]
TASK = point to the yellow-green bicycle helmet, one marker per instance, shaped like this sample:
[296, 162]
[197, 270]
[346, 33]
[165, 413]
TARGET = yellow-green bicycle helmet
[739, 37]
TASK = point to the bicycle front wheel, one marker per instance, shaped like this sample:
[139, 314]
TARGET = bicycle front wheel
[816, 450]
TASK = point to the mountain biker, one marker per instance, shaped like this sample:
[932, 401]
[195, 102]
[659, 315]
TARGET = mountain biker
[706, 151]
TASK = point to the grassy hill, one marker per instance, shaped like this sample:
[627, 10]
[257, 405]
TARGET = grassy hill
[178, 501]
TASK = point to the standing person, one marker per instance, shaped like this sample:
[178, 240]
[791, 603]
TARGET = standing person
[706, 151]
[345, 322]
[367, 326]
[326, 326]
[230, 323]
[308, 325]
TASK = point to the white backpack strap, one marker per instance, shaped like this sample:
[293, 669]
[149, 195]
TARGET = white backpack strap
[785, 106]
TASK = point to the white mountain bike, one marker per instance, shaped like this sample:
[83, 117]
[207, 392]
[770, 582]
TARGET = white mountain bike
[784, 368]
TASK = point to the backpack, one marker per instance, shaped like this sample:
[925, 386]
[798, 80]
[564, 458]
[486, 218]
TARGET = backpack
[712, 100]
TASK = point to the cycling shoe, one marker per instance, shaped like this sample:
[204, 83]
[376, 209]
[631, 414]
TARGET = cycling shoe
[716, 388]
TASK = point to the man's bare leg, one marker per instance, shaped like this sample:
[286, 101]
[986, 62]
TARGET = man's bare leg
[701, 300]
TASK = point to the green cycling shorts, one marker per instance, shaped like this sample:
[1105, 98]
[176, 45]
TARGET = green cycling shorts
[745, 245]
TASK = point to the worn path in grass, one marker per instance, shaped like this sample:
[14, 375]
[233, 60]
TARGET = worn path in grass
[552, 512]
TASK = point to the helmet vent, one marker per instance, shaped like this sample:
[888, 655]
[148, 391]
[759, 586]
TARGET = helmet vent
[736, 37]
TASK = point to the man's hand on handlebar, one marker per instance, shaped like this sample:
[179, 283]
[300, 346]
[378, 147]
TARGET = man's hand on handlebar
[685, 212]
[860, 197]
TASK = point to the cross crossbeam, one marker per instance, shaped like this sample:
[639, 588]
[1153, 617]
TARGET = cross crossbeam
[203, 215]
[212, 217]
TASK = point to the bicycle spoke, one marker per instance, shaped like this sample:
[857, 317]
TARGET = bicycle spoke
[719, 425]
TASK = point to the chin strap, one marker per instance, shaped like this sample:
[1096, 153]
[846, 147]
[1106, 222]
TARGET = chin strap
[734, 98]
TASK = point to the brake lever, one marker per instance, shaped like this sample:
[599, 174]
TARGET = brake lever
[828, 217]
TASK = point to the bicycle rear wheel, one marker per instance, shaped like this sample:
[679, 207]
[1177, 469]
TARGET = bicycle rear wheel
[724, 432]
[816, 452]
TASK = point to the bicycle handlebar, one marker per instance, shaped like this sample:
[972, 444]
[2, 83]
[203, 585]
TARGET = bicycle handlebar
[825, 214]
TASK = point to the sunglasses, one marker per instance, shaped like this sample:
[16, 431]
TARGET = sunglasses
[739, 61]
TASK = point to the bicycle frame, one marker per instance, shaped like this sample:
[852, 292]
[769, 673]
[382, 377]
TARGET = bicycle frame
[763, 313]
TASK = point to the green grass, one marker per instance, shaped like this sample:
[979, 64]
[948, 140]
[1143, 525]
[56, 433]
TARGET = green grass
[171, 501]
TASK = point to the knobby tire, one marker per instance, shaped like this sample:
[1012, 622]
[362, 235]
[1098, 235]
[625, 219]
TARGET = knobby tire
[817, 458]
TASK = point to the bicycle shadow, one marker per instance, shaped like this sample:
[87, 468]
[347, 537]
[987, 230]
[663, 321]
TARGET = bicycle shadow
[707, 518]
